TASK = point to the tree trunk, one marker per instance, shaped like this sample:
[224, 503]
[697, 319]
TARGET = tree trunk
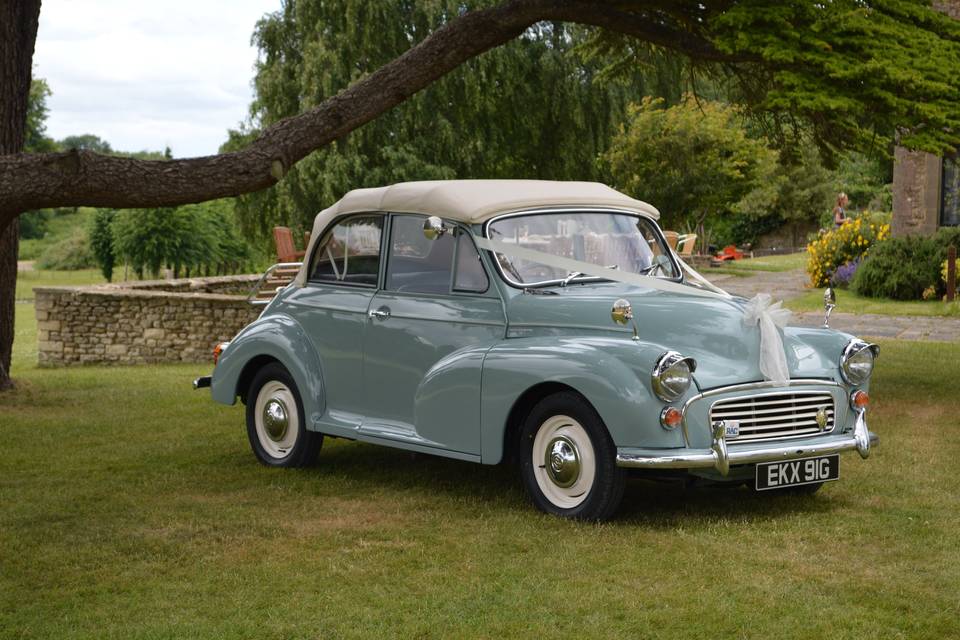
[18, 33]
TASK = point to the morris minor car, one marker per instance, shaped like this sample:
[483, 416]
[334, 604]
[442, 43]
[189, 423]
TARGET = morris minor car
[543, 324]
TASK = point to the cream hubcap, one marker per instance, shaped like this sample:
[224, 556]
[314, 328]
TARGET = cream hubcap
[277, 420]
[564, 463]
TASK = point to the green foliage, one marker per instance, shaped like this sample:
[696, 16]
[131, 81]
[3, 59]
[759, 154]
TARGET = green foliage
[70, 254]
[101, 241]
[866, 181]
[189, 240]
[37, 111]
[33, 224]
[692, 160]
[848, 243]
[850, 74]
[529, 109]
[796, 192]
[902, 268]
[87, 142]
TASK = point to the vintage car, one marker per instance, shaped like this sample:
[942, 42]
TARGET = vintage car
[547, 324]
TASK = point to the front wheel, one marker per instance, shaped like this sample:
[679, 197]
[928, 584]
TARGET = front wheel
[568, 461]
[276, 426]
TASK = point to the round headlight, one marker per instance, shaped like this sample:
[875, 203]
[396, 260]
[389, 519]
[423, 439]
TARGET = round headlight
[856, 363]
[671, 375]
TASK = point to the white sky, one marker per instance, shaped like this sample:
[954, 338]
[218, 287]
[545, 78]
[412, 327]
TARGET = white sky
[144, 74]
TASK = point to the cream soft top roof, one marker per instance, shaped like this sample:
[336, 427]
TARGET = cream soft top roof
[474, 201]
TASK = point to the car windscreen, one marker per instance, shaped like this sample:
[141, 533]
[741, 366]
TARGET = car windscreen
[614, 240]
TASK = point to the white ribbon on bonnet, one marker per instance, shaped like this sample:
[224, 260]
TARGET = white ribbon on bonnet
[769, 316]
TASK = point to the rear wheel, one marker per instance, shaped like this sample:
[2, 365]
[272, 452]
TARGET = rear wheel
[568, 461]
[276, 426]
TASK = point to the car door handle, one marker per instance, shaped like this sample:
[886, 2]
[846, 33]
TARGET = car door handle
[382, 313]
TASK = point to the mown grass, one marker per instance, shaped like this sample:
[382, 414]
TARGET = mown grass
[784, 262]
[131, 507]
[850, 302]
[27, 281]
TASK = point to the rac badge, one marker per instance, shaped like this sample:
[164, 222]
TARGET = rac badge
[821, 418]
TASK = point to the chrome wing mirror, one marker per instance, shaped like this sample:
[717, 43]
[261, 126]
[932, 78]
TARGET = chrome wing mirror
[829, 304]
[622, 314]
[433, 228]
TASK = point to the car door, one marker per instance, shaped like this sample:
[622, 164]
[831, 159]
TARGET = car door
[427, 332]
[332, 308]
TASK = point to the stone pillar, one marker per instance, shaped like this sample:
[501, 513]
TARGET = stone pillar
[917, 175]
[916, 192]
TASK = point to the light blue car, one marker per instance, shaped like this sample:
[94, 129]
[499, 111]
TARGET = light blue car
[545, 324]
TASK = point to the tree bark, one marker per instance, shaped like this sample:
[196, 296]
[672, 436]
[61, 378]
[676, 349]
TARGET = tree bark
[34, 181]
[18, 33]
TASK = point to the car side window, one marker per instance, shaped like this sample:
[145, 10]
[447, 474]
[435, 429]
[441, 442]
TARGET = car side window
[349, 253]
[417, 264]
[470, 275]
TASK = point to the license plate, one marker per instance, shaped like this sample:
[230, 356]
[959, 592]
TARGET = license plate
[793, 473]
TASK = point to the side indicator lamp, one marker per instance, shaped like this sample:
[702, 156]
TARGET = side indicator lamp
[671, 417]
[859, 400]
[217, 350]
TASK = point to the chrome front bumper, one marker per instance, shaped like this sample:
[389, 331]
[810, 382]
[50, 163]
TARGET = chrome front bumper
[720, 456]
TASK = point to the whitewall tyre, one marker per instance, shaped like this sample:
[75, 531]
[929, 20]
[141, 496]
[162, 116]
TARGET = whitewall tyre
[276, 425]
[568, 461]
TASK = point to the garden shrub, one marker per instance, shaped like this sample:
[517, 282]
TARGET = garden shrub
[903, 268]
[836, 247]
[70, 254]
[900, 268]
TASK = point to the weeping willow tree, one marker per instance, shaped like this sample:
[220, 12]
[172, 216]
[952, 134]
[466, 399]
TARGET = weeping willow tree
[538, 107]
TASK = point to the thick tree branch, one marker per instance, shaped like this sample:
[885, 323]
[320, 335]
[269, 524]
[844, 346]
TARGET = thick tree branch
[74, 178]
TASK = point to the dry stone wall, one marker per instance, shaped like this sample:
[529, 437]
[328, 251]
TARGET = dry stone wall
[141, 322]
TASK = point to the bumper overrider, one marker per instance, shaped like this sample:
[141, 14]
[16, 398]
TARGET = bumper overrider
[721, 457]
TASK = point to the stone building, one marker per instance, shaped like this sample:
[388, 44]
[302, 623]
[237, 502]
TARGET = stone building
[926, 188]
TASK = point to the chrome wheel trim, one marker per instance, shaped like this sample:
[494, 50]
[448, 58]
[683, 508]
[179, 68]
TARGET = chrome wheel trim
[276, 418]
[564, 463]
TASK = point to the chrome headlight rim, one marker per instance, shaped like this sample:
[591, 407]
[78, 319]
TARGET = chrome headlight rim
[854, 348]
[665, 363]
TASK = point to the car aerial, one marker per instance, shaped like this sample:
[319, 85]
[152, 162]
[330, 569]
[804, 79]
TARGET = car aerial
[544, 324]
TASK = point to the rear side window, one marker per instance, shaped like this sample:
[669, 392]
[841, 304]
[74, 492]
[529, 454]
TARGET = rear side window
[349, 253]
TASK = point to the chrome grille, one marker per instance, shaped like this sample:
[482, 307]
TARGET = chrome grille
[774, 416]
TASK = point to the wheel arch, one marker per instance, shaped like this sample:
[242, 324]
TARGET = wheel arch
[279, 339]
[521, 409]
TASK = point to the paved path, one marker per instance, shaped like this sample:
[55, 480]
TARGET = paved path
[25, 265]
[876, 326]
[784, 285]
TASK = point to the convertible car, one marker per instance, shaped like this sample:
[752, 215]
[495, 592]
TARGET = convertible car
[545, 324]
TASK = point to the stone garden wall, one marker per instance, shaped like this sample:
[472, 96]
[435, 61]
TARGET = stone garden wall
[141, 322]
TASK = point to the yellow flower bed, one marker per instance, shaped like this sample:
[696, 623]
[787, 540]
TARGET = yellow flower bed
[847, 243]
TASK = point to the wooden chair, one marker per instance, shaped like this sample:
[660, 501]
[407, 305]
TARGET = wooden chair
[686, 244]
[286, 250]
[672, 237]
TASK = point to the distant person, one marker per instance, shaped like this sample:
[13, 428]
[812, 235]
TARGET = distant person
[840, 210]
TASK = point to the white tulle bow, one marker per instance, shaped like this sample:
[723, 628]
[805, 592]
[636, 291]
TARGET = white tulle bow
[762, 311]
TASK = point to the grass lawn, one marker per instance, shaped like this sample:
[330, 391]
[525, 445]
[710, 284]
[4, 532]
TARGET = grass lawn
[784, 262]
[850, 302]
[131, 507]
[27, 280]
